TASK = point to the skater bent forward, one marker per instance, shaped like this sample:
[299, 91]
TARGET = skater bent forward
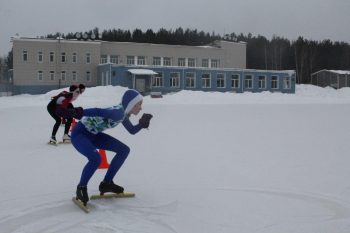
[88, 136]
[58, 104]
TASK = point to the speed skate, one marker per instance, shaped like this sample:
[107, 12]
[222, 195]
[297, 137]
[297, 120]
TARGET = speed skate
[85, 206]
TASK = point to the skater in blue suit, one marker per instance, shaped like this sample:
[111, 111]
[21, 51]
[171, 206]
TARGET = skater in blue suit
[88, 136]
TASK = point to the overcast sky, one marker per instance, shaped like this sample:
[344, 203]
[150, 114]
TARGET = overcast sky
[312, 19]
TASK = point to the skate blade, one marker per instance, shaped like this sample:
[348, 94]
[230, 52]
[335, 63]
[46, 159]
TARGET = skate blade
[81, 205]
[112, 195]
[65, 142]
[52, 143]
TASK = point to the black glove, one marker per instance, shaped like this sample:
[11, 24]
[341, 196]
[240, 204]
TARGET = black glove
[144, 120]
[70, 112]
[78, 113]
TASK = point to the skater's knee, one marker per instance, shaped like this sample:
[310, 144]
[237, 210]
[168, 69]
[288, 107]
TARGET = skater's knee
[123, 152]
[57, 124]
[126, 151]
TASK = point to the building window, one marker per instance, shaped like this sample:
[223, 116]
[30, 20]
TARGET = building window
[103, 59]
[220, 81]
[205, 63]
[157, 80]
[141, 60]
[286, 83]
[181, 62]
[248, 82]
[190, 80]
[214, 63]
[156, 61]
[191, 62]
[52, 57]
[114, 59]
[74, 76]
[74, 58]
[166, 61]
[174, 79]
[63, 75]
[88, 76]
[206, 80]
[40, 57]
[52, 75]
[262, 82]
[130, 60]
[63, 57]
[235, 81]
[40, 75]
[274, 82]
[88, 58]
[25, 55]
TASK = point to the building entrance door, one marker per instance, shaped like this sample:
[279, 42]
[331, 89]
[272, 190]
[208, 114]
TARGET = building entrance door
[106, 79]
[140, 85]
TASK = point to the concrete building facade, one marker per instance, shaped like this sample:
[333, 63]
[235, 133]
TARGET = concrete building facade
[41, 65]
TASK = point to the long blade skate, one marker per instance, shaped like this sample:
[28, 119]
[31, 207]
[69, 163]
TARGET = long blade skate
[112, 195]
[52, 143]
[81, 205]
[65, 142]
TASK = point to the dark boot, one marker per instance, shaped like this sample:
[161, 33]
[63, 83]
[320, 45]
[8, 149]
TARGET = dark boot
[82, 194]
[110, 187]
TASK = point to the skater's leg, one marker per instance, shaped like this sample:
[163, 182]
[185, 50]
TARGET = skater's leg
[83, 144]
[107, 142]
[67, 125]
[57, 124]
[68, 120]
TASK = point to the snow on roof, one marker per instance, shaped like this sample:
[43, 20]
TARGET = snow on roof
[340, 71]
[333, 71]
[142, 72]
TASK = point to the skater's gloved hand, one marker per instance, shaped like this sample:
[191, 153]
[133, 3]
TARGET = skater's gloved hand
[78, 113]
[145, 120]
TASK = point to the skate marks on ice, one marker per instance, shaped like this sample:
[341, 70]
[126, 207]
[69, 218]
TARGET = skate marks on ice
[336, 208]
[135, 215]
[110, 215]
[281, 209]
[48, 216]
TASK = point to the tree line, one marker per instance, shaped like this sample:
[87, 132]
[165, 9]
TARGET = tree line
[278, 53]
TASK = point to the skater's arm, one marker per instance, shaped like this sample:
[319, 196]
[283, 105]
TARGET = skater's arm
[113, 114]
[66, 112]
[132, 129]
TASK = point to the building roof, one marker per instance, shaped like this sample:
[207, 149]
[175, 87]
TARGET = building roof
[340, 71]
[333, 71]
[142, 72]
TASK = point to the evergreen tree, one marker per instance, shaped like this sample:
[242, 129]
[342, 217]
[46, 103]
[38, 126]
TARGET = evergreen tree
[302, 55]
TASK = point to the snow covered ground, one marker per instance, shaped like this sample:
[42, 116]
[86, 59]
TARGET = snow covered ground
[210, 163]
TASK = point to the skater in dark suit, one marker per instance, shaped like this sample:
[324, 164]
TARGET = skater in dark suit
[63, 100]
